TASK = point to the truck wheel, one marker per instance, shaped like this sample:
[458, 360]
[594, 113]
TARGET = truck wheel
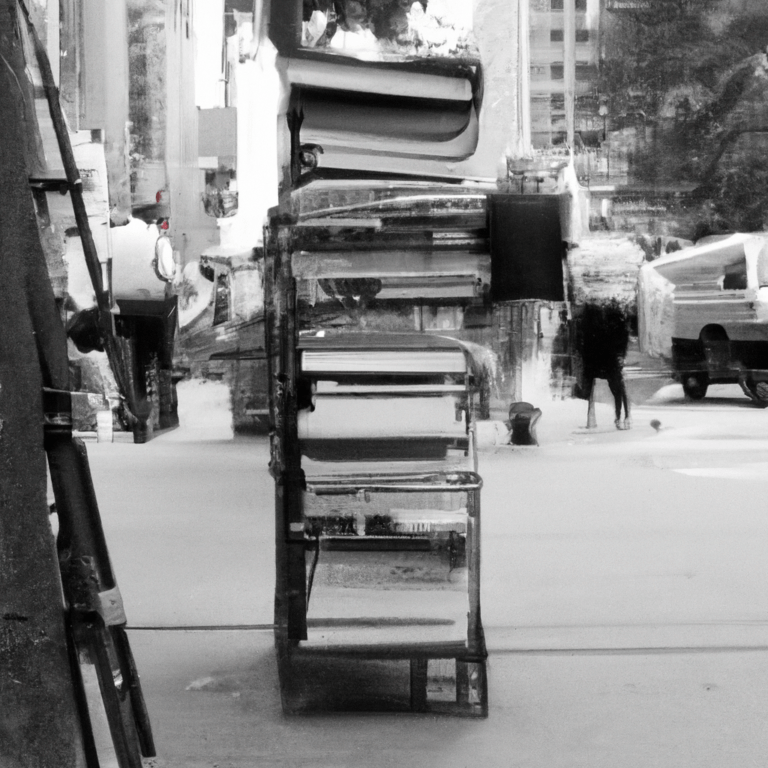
[756, 391]
[695, 385]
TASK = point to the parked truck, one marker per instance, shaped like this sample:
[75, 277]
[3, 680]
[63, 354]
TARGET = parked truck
[706, 309]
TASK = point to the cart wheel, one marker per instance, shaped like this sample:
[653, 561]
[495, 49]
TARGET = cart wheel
[756, 391]
[695, 385]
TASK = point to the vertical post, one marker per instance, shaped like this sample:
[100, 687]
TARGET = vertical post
[529, 348]
[516, 342]
[524, 75]
[569, 67]
[474, 631]
[39, 724]
[419, 671]
[290, 586]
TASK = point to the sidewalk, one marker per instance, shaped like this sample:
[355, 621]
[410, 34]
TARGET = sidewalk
[624, 598]
[214, 701]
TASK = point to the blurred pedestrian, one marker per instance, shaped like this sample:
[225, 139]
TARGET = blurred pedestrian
[603, 341]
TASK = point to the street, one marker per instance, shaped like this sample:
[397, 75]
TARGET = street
[624, 594]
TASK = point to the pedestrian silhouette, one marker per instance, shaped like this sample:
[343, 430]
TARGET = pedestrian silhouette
[604, 338]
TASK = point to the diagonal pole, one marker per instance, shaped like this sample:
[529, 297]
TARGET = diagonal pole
[75, 186]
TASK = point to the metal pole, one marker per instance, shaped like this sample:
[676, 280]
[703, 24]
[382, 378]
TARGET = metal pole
[569, 67]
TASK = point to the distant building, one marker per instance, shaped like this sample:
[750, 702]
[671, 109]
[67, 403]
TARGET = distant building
[551, 55]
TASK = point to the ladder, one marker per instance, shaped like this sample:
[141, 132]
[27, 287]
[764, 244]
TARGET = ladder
[97, 640]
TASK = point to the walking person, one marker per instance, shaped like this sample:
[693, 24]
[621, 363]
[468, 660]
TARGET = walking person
[603, 341]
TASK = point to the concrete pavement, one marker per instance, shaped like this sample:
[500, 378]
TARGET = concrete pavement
[624, 596]
[561, 710]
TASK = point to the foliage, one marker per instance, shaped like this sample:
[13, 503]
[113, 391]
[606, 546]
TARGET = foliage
[651, 50]
[739, 195]
[693, 73]
[747, 34]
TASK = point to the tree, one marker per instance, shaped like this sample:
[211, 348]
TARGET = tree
[652, 49]
[695, 74]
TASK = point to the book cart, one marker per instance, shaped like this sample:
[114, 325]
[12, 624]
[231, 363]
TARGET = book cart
[377, 495]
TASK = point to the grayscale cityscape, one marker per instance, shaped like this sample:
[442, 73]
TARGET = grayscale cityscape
[383, 383]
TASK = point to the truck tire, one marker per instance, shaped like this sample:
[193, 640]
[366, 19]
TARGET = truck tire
[695, 385]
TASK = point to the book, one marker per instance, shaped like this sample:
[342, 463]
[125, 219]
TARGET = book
[391, 264]
[380, 361]
[391, 288]
[336, 73]
[334, 388]
[373, 418]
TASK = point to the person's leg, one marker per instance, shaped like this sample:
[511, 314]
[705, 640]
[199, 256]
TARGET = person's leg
[613, 385]
[620, 398]
[625, 400]
[591, 420]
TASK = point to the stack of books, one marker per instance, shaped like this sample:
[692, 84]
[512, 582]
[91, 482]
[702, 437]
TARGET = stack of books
[390, 397]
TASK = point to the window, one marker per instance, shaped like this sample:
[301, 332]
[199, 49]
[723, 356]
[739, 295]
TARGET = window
[440, 318]
[585, 72]
[557, 5]
[556, 36]
[735, 278]
[627, 5]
